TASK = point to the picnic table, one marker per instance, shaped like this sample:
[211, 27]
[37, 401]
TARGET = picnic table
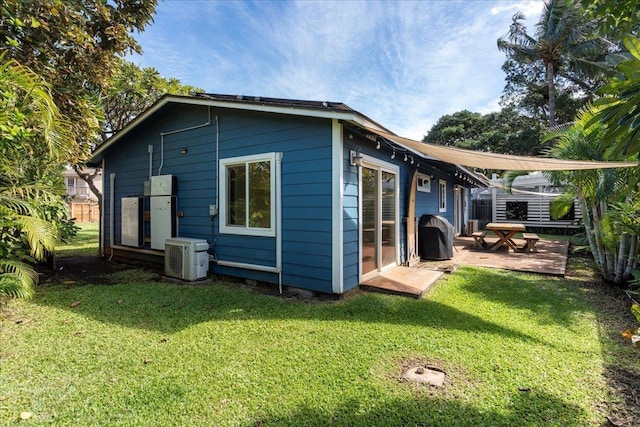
[505, 232]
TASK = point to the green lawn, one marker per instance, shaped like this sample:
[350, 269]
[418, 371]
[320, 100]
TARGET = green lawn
[84, 243]
[517, 349]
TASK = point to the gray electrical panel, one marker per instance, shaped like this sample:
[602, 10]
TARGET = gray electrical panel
[163, 220]
[163, 209]
[132, 229]
[164, 185]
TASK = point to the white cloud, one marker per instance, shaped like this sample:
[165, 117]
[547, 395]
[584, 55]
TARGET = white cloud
[403, 64]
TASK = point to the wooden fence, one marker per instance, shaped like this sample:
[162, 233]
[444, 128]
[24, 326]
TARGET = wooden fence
[84, 212]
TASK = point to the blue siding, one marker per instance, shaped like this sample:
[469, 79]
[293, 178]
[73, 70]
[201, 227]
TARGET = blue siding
[351, 246]
[350, 221]
[306, 191]
[305, 177]
[426, 203]
[429, 204]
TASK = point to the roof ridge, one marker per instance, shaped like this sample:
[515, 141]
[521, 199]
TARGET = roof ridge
[262, 100]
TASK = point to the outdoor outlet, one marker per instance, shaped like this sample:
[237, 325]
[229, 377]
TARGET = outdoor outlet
[213, 210]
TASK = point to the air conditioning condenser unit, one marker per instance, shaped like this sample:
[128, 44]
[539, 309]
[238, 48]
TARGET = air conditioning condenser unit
[472, 226]
[186, 258]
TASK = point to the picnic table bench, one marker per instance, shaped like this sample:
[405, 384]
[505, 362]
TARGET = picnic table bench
[530, 242]
[478, 237]
[505, 233]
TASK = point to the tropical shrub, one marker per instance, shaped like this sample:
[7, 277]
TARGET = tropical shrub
[634, 334]
[33, 147]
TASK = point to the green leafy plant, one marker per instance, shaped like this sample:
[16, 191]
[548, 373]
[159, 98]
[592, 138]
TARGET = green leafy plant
[634, 333]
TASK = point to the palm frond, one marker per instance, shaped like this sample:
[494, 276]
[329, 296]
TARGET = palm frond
[36, 97]
[17, 279]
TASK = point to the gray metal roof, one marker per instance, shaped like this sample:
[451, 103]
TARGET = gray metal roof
[279, 102]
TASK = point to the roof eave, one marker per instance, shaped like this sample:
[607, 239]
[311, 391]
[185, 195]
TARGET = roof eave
[350, 116]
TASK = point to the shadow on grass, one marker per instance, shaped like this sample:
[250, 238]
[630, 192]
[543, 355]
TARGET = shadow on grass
[168, 308]
[539, 294]
[525, 409]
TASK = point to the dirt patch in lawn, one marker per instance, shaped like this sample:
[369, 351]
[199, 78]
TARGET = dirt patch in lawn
[95, 270]
[455, 378]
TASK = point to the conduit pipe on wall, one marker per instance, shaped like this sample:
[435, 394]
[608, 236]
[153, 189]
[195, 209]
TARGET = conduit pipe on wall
[171, 132]
[150, 151]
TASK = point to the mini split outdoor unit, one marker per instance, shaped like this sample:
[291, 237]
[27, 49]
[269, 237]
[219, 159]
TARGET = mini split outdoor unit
[186, 258]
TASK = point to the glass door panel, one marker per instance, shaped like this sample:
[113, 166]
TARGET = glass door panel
[369, 219]
[379, 215]
[388, 243]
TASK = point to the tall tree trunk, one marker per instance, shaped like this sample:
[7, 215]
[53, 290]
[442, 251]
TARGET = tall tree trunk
[552, 95]
[610, 257]
[89, 178]
[600, 251]
[623, 251]
[633, 246]
[588, 229]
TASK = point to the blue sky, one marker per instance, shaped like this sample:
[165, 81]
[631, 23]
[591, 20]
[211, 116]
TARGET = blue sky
[404, 64]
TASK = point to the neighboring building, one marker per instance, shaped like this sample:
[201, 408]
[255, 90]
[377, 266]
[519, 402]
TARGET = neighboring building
[529, 203]
[296, 193]
[82, 203]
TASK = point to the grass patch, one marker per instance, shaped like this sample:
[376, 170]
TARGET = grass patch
[518, 350]
[85, 243]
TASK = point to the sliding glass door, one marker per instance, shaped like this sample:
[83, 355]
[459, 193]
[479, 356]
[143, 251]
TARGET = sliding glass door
[379, 217]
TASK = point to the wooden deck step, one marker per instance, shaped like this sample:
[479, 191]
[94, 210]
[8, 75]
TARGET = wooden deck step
[407, 281]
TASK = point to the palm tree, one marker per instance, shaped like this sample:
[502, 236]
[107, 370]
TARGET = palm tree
[564, 41]
[598, 191]
[32, 139]
[621, 114]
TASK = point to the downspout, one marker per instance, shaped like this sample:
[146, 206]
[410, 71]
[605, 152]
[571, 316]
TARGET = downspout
[278, 222]
[112, 196]
[163, 134]
[102, 218]
[217, 160]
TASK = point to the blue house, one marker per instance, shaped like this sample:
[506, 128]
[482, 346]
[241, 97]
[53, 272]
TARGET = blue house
[312, 195]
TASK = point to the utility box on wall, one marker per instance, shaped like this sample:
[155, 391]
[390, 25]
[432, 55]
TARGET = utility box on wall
[164, 185]
[163, 209]
[163, 220]
[132, 229]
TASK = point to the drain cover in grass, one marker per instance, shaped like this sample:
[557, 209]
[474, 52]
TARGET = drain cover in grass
[430, 375]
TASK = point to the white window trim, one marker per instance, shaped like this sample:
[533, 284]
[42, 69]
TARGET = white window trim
[425, 179]
[246, 230]
[442, 195]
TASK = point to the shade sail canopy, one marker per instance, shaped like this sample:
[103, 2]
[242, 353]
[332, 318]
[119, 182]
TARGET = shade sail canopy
[478, 159]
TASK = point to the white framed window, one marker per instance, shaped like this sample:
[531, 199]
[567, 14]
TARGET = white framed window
[247, 195]
[442, 195]
[424, 183]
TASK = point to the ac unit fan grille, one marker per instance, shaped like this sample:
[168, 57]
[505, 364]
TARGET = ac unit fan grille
[176, 258]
